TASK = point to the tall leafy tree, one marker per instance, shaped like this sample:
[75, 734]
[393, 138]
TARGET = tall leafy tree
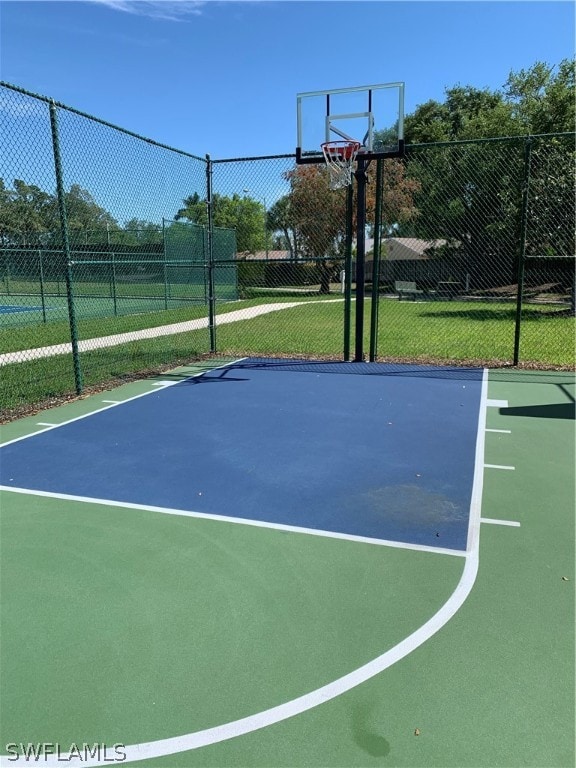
[194, 210]
[542, 98]
[26, 212]
[398, 196]
[86, 219]
[138, 232]
[280, 219]
[318, 215]
[243, 214]
[472, 193]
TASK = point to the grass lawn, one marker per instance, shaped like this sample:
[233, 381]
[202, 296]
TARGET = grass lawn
[451, 331]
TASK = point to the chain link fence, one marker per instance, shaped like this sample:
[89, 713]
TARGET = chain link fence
[469, 255]
[120, 256]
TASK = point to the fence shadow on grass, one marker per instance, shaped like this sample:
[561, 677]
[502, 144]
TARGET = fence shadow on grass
[504, 314]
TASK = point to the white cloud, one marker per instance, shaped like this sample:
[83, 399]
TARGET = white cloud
[167, 10]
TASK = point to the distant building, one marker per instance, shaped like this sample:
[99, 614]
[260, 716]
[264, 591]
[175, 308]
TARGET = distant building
[406, 248]
[263, 255]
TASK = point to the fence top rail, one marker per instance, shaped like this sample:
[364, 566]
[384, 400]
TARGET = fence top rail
[60, 105]
[493, 140]
[461, 142]
[289, 156]
[136, 262]
[77, 253]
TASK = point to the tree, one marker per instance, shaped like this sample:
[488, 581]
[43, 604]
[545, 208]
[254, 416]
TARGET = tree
[8, 222]
[245, 215]
[467, 113]
[194, 210]
[542, 100]
[138, 232]
[472, 193]
[86, 219]
[533, 101]
[280, 220]
[26, 212]
[551, 203]
[398, 194]
[318, 216]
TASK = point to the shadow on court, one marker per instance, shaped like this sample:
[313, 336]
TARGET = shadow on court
[553, 411]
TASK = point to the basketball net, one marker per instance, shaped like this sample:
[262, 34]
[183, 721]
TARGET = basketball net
[340, 156]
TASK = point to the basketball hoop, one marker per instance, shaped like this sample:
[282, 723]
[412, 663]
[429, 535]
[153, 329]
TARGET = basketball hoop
[340, 156]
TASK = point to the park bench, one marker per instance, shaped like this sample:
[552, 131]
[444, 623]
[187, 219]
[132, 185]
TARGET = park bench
[407, 288]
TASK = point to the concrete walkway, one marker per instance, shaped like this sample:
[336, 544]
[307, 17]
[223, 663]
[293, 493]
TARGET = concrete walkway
[86, 345]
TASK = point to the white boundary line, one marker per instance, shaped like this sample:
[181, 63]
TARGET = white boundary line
[116, 403]
[478, 481]
[235, 520]
[502, 431]
[197, 739]
[497, 403]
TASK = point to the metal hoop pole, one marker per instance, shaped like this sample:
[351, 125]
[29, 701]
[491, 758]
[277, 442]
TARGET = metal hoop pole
[360, 175]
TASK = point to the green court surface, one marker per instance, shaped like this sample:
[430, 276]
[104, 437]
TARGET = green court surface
[21, 310]
[127, 626]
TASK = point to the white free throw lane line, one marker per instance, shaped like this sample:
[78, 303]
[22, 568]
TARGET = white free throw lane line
[197, 739]
[492, 521]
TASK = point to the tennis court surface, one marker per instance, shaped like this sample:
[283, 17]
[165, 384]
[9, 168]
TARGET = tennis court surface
[270, 562]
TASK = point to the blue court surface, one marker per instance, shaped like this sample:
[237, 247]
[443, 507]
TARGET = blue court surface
[8, 309]
[350, 449]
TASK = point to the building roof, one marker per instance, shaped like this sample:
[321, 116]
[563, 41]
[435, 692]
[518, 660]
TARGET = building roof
[263, 255]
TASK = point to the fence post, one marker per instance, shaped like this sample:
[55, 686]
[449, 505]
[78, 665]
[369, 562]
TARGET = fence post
[65, 246]
[522, 247]
[348, 271]
[164, 265]
[42, 293]
[114, 294]
[211, 296]
[7, 275]
[376, 263]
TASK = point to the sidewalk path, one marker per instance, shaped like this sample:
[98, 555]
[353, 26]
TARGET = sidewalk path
[25, 355]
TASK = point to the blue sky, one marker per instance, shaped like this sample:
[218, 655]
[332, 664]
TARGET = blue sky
[222, 77]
